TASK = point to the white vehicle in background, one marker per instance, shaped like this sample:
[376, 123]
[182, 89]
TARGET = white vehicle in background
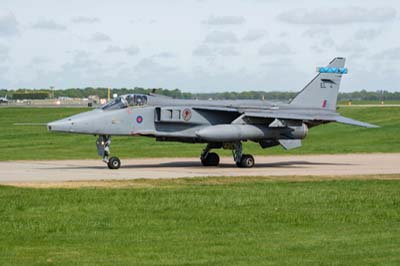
[3, 99]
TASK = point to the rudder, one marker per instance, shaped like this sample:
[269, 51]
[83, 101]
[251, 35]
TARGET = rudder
[322, 91]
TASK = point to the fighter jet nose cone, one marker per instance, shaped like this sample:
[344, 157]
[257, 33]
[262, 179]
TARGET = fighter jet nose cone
[59, 126]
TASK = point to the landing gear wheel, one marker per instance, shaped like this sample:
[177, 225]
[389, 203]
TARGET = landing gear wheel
[212, 159]
[247, 161]
[114, 163]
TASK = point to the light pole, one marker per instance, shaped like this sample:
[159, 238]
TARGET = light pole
[51, 92]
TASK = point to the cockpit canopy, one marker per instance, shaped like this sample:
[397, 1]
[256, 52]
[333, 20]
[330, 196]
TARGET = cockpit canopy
[124, 101]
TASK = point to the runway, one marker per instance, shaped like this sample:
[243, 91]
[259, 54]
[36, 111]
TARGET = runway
[307, 165]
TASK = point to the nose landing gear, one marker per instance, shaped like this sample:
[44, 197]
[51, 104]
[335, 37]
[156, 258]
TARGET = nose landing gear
[103, 143]
[114, 163]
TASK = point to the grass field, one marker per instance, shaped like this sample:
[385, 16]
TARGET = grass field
[212, 221]
[200, 221]
[33, 142]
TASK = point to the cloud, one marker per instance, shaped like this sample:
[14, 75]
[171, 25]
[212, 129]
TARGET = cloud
[143, 21]
[85, 20]
[80, 56]
[317, 49]
[3, 72]
[338, 15]
[4, 52]
[8, 25]
[284, 34]
[367, 34]
[207, 51]
[388, 54]
[316, 32]
[254, 35]
[227, 51]
[203, 50]
[324, 43]
[274, 49]
[350, 46]
[148, 66]
[39, 60]
[82, 70]
[221, 37]
[132, 50]
[48, 25]
[224, 20]
[285, 63]
[328, 42]
[113, 49]
[100, 37]
[83, 61]
[164, 55]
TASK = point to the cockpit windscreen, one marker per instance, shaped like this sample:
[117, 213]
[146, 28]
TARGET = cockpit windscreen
[124, 101]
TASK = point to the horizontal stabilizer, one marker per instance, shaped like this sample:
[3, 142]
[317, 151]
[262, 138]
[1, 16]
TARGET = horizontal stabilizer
[289, 144]
[349, 121]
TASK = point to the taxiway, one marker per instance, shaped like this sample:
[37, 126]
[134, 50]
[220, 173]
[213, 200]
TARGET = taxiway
[307, 165]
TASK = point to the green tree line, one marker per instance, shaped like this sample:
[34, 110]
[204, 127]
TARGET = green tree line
[21, 94]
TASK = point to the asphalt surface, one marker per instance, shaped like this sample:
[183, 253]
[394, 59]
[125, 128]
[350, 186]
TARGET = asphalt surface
[309, 165]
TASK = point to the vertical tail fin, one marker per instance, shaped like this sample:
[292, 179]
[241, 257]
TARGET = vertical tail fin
[322, 91]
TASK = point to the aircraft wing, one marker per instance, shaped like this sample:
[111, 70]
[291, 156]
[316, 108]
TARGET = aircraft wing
[281, 115]
[349, 121]
[286, 114]
[310, 117]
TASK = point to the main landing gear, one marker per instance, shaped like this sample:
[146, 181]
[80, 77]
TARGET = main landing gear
[241, 160]
[103, 143]
[212, 159]
[208, 158]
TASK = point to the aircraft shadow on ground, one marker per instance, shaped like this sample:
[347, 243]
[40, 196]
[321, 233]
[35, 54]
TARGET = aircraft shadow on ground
[194, 164]
[286, 164]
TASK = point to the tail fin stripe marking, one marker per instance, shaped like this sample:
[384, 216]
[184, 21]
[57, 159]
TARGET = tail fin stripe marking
[332, 70]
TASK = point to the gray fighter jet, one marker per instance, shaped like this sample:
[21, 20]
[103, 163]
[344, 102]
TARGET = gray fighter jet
[219, 124]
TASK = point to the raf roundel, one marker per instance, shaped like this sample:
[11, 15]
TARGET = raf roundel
[139, 119]
[187, 114]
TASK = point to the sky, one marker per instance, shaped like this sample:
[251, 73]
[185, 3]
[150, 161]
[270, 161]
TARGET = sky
[197, 45]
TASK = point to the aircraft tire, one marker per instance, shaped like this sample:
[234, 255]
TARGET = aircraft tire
[212, 159]
[114, 163]
[247, 161]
